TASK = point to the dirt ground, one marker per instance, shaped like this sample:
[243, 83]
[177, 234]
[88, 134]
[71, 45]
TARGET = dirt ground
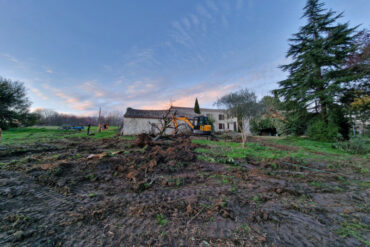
[114, 192]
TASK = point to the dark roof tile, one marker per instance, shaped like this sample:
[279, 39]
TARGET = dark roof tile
[158, 114]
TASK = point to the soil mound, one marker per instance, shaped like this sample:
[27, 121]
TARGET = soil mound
[160, 157]
[143, 140]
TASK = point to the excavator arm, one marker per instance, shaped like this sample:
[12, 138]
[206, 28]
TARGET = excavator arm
[185, 119]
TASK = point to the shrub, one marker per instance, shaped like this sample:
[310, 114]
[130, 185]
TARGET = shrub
[296, 123]
[320, 131]
[356, 145]
[257, 125]
[337, 117]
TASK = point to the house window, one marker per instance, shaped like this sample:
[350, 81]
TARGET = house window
[228, 126]
[235, 129]
[221, 117]
[221, 126]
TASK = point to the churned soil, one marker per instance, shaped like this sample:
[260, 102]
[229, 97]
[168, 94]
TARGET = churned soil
[114, 192]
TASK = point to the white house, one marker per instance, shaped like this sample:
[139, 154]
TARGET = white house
[138, 121]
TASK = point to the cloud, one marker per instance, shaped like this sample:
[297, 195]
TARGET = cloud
[39, 93]
[138, 59]
[203, 11]
[50, 71]
[206, 93]
[73, 102]
[211, 5]
[180, 35]
[93, 88]
[119, 81]
[11, 58]
[157, 92]
[141, 56]
[14, 60]
[194, 20]
[186, 23]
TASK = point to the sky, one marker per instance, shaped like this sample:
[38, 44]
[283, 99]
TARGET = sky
[77, 56]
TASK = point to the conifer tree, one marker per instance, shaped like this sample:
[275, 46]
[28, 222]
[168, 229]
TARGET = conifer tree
[317, 73]
[196, 106]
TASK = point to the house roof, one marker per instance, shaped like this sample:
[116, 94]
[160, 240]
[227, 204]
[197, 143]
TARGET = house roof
[159, 114]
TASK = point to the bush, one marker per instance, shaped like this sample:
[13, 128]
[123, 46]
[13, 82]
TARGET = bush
[337, 117]
[320, 131]
[296, 122]
[257, 125]
[356, 145]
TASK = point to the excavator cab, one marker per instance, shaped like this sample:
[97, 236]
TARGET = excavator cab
[202, 125]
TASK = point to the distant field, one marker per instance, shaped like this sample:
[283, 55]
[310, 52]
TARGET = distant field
[48, 133]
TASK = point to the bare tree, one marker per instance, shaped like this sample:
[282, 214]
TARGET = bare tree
[165, 122]
[99, 120]
[113, 118]
[244, 106]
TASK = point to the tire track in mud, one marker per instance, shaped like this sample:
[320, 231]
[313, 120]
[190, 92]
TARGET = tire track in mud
[40, 206]
[168, 196]
[142, 225]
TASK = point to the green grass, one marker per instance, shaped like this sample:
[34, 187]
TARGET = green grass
[245, 228]
[221, 151]
[223, 179]
[161, 220]
[127, 138]
[26, 135]
[91, 195]
[353, 228]
[234, 150]
[317, 184]
[90, 177]
[313, 146]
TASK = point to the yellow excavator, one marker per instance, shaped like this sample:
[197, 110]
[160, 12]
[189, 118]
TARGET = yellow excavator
[200, 125]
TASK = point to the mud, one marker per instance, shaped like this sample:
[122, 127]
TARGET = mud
[140, 193]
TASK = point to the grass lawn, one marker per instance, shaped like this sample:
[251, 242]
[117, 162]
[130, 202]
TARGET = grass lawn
[47, 133]
[302, 149]
[236, 151]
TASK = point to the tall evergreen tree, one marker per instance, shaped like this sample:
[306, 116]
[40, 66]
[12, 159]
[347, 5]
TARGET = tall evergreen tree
[196, 106]
[14, 104]
[317, 72]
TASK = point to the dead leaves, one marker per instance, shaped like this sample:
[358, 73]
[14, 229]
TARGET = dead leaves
[96, 156]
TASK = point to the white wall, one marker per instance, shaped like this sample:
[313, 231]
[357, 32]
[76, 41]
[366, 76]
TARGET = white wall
[135, 126]
[215, 116]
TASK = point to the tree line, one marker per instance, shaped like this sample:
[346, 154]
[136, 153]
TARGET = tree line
[49, 117]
